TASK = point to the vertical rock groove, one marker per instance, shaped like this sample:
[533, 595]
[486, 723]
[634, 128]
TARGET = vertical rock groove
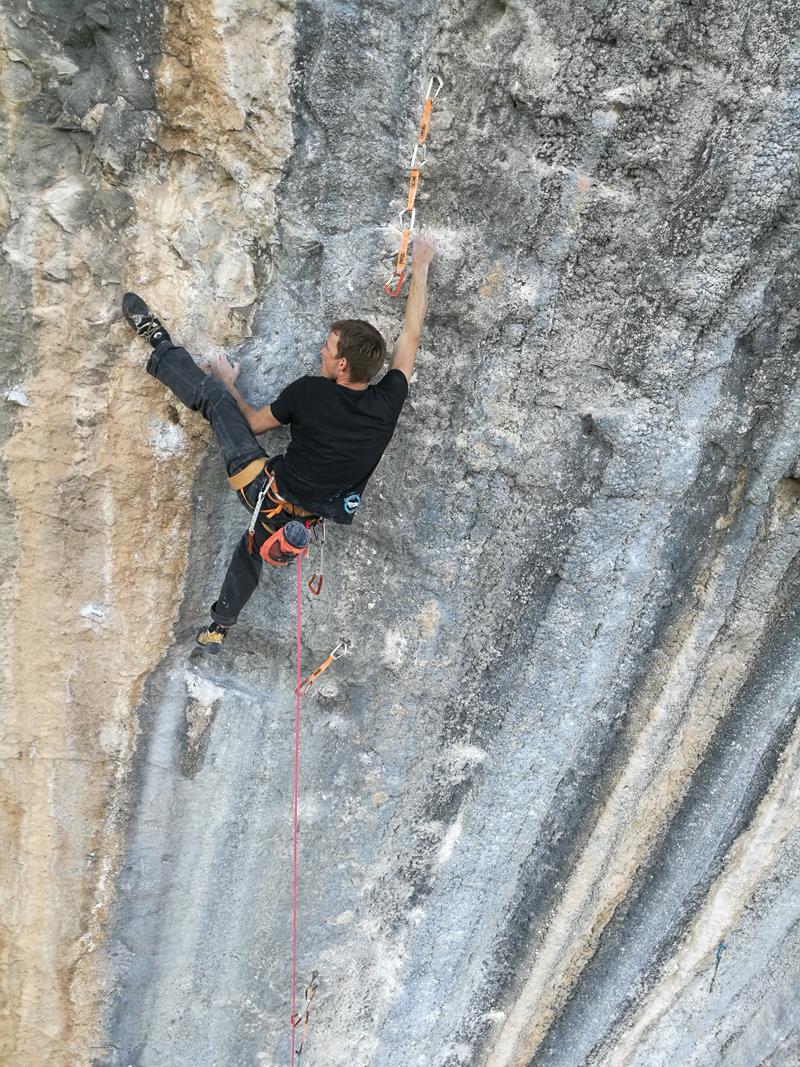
[121, 170]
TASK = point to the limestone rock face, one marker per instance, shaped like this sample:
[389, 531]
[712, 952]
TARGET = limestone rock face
[548, 807]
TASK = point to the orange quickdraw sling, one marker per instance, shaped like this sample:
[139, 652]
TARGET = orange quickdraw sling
[408, 216]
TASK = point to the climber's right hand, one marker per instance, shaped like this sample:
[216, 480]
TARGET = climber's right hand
[422, 251]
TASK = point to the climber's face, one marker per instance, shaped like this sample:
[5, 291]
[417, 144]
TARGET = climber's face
[332, 366]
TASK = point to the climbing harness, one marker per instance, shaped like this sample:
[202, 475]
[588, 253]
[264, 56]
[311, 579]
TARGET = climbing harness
[317, 578]
[720, 949]
[341, 649]
[418, 161]
[311, 989]
[247, 474]
[280, 548]
[280, 504]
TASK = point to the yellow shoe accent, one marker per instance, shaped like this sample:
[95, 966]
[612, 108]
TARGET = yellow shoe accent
[211, 640]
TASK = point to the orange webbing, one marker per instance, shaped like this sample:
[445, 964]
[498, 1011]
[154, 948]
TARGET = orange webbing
[341, 650]
[413, 185]
[402, 255]
[279, 505]
[426, 119]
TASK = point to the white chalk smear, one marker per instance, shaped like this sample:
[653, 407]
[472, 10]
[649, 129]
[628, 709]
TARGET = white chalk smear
[203, 690]
[450, 839]
[167, 439]
[94, 611]
[17, 396]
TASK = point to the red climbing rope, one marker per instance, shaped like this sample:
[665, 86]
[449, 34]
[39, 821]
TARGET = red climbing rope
[296, 789]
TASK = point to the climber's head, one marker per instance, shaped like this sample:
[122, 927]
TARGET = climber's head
[353, 351]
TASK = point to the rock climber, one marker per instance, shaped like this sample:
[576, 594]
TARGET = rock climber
[340, 425]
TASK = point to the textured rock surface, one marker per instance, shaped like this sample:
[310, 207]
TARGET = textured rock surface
[562, 764]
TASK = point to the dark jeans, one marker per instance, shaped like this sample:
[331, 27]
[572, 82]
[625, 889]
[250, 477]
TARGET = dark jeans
[197, 390]
[240, 580]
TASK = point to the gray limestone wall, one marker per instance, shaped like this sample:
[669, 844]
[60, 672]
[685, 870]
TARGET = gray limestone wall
[559, 767]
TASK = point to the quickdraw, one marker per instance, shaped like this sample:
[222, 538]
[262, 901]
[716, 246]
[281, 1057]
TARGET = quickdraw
[418, 161]
[311, 989]
[341, 650]
[251, 529]
[317, 578]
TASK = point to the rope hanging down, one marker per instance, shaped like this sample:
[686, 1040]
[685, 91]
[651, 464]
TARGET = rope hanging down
[301, 688]
[418, 161]
[296, 791]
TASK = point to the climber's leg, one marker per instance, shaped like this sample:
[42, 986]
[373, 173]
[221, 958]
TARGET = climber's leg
[175, 368]
[239, 584]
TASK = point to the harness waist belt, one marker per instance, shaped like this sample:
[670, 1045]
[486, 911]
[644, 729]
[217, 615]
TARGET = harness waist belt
[284, 505]
[248, 474]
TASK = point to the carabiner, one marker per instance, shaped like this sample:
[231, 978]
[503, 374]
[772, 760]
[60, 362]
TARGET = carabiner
[422, 162]
[395, 291]
[342, 648]
[257, 507]
[434, 77]
[402, 214]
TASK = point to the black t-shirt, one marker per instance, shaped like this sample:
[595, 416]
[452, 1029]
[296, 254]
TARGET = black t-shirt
[338, 437]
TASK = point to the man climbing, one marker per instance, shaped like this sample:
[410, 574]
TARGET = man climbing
[340, 427]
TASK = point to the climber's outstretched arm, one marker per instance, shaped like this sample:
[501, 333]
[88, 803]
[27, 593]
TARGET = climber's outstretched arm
[258, 419]
[405, 350]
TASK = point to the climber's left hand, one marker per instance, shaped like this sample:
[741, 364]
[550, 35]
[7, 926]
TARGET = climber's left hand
[220, 368]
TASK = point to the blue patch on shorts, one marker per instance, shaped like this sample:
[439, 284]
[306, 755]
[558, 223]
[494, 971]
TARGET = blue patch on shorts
[351, 502]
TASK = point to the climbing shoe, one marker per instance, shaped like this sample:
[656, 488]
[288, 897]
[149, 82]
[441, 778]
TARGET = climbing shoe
[141, 318]
[212, 637]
